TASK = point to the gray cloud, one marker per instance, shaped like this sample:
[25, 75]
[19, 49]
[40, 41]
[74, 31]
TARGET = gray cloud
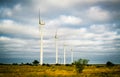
[89, 26]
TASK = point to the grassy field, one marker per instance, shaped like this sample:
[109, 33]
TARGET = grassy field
[58, 71]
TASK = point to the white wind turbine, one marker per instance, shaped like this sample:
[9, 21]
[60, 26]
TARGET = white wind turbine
[71, 55]
[64, 54]
[56, 47]
[41, 23]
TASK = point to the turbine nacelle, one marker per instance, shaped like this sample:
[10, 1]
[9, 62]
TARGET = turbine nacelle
[41, 22]
[56, 36]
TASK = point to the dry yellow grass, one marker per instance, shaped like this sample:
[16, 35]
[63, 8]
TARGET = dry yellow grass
[57, 71]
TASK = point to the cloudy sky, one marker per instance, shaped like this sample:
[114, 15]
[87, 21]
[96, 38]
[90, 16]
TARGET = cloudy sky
[90, 27]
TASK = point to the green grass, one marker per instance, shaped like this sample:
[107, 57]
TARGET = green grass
[58, 71]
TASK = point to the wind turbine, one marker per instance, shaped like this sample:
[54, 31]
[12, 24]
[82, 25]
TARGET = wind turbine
[64, 54]
[41, 23]
[71, 55]
[56, 47]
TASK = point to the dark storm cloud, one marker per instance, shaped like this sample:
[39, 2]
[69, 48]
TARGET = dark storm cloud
[113, 7]
[110, 5]
[11, 3]
[16, 10]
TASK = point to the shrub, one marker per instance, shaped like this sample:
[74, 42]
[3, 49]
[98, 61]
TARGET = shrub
[35, 62]
[57, 64]
[14, 64]
[28, 64]
[48, 65]
[68, 65]
[80, 64]
[43, 64]
[108, 64]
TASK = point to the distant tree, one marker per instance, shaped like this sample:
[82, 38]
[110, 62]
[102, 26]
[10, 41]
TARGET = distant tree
[28, 64]
[35, 62]
[43, 64]
[22, 63]
[14, 64]
[80, 64]
[48, 65]
[109, 64]
[57, 64]
[2, 64]
[85, 61]
[68, 65]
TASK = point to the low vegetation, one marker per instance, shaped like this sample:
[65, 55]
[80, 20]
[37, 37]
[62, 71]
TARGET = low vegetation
[58, 71]
[35, 62]
[80, 65]
[79, 68]
[109, 64]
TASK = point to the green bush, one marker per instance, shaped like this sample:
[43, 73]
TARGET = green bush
[109, 64]
[80, 64]
[35, 62]
[14, 64]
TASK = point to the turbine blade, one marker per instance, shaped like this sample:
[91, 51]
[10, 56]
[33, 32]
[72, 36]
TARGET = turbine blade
[39, 16]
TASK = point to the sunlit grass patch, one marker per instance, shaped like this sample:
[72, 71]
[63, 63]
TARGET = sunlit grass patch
[57, 71]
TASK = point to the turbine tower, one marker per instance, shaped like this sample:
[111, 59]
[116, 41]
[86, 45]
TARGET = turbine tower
[64, 54]
[56, 47]
[71, 55]
[41, 23]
